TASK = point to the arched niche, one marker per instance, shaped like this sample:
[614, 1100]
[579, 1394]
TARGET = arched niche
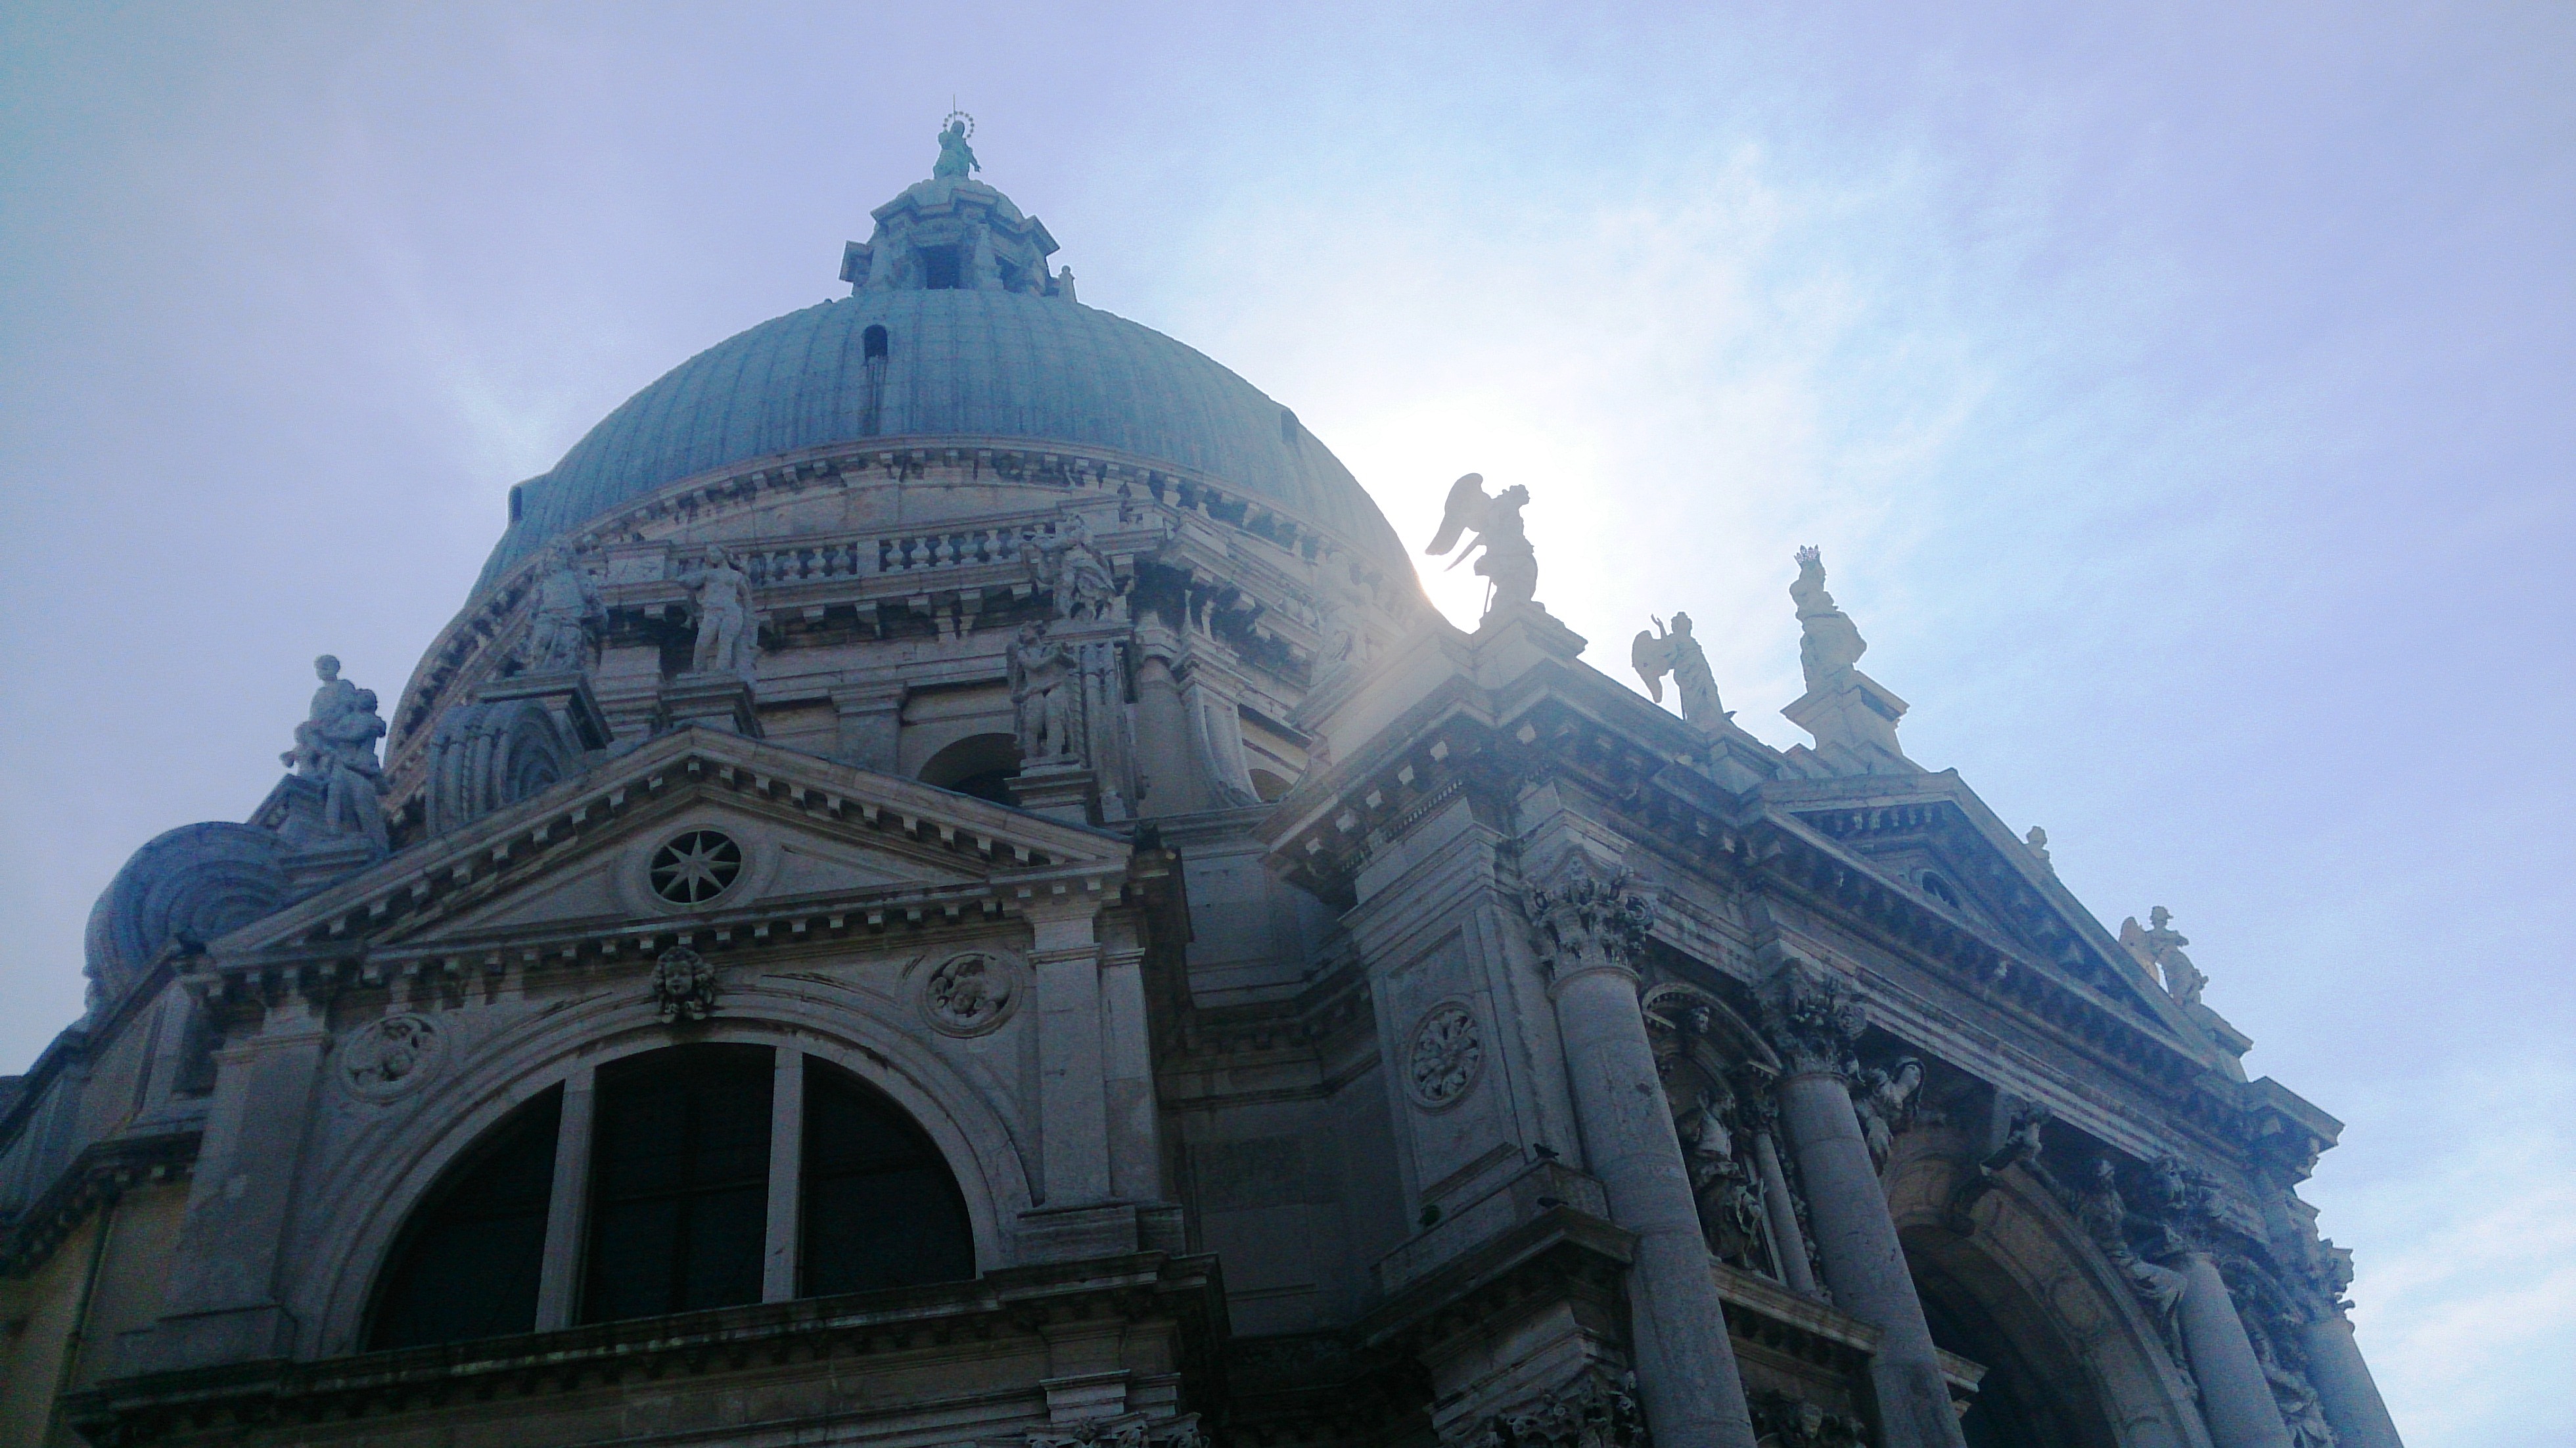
[398, 1168]
[1717, 1074]
[982, 765]
[2070, 1357]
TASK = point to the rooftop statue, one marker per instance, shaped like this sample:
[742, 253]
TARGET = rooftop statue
[336, 747]
[1496, 521]
[956, 158]
[1830, 643]
[1678, 654]
[567, 616]
[2159, 948]
[728, 635]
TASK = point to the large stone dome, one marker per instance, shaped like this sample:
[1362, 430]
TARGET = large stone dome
[957, 363]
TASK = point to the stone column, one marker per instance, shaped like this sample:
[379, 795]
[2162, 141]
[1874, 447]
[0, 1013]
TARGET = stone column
[1686, 1373]
[568, 1204]
[1166, 759]
[1815, 1019]
[786, 1176]
[1133, 1120]
[2344, 1385]
[1786, 1236]
[2235, 1399]
[1072, 1113]
[223, 1303]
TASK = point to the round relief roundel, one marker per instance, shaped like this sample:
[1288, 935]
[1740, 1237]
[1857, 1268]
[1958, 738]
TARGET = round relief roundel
[696, 867]
[1445, 1055]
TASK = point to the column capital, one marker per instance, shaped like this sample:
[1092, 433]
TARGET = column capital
[1590, 922]
[1814, 1019]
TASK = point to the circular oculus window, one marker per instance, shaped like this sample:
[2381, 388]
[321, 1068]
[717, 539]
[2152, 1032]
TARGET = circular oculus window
[696, 867]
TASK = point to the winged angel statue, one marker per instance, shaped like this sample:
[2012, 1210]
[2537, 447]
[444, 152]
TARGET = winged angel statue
[1509, 562]
[1678, 654]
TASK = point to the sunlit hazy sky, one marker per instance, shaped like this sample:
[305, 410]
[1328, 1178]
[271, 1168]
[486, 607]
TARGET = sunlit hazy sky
[2180, 394]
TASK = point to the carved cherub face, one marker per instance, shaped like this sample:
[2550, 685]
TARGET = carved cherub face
[326, 668]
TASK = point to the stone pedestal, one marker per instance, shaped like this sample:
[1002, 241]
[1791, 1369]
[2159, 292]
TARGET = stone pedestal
[565, 695]
[2344, 1386]
[711, 701]
[1686, 1373]
[1059, 790]
[2235, 1399]
[871, 720]
[1853, 718]
[1864, 1263]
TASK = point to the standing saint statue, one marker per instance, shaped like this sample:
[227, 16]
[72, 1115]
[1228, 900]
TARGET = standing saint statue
[566, 618]
[1508, 561]
[1042, 671]
[1678, 654]
[728, 627]
[956, 158]
[1829, 642]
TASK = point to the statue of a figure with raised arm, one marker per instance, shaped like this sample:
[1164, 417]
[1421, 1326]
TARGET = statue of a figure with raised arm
[1829, 642]
[1508, 559]
[728, 628]
[1676, 653]
[567, 618]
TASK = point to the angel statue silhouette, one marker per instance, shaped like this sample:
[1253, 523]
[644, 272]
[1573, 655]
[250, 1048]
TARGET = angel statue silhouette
[1677, 653]
[1508, 562]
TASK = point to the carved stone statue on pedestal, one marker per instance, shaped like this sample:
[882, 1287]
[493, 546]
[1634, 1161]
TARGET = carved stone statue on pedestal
[1071, 568]
[728, 630]
[567, 618]
[1508, 561]
[1042, 672]
[335, 747]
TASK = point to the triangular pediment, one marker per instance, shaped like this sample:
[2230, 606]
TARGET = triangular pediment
[698, 830]
[1930, 837]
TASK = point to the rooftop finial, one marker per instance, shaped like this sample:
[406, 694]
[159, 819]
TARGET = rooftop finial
[956, 158]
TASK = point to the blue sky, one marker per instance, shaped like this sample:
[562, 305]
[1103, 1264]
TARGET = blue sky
[2178, 392]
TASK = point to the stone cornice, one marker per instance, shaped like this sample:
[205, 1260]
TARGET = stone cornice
[103, 1172]
[999, 862]
[1146, 1287]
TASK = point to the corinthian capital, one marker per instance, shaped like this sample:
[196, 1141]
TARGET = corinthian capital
[1814, 1020]
[1589, 923]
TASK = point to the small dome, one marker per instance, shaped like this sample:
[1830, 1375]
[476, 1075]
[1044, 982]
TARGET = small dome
[983, 364]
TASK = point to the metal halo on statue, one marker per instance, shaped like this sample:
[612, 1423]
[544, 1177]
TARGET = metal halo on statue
[959, 116]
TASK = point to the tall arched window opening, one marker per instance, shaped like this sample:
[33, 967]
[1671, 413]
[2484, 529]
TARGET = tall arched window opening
[468, 1262]
[679, 1181]
[880, 1207]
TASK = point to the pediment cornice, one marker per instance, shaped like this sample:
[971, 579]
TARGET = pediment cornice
[962, 860]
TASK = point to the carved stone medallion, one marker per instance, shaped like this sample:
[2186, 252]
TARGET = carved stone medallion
[1445, 1055]
[971, 993]
[387, 1058]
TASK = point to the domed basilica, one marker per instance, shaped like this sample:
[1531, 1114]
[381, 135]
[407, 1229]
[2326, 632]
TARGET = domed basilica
[946, 887]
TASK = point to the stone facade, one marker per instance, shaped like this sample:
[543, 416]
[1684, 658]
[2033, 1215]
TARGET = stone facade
[1027, 930]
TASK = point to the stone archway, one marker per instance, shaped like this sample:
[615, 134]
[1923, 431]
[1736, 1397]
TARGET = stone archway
[2071, 1360]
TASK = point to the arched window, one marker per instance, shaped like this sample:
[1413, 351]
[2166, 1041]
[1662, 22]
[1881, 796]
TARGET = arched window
[467, 1264]
[679, 1181]
[982, 765]
[872, 344]
[880, 1208]
[678, 1148]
